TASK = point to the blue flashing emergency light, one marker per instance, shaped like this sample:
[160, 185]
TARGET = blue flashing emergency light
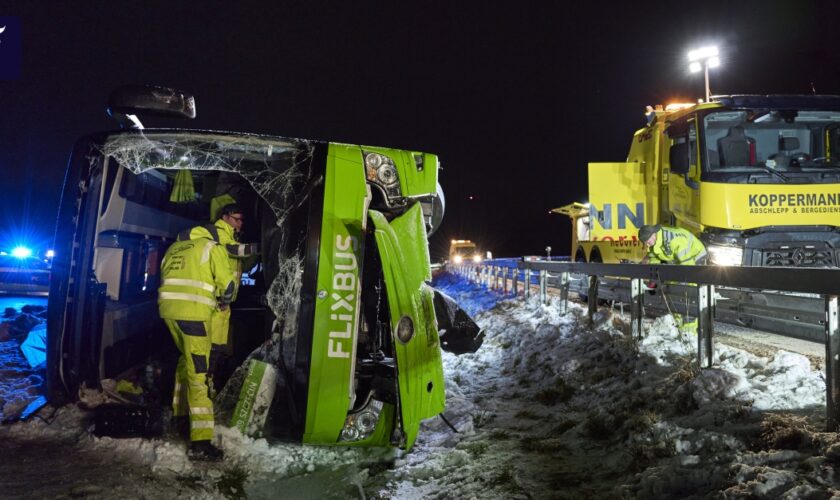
[21, 252]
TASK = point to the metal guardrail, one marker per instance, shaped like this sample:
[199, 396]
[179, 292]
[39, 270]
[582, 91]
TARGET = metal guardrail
[699, 281]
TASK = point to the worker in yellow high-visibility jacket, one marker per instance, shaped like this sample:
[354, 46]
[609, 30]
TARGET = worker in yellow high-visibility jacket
[225, 231]
[197, 280]
[673, 245]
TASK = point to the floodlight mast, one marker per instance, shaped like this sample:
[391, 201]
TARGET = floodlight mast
[704, 58]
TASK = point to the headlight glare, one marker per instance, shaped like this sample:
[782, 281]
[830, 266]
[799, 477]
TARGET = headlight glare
[476, 258]
[720, 255]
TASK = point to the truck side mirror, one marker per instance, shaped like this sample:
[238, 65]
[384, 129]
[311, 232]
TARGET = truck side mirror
[679, 158]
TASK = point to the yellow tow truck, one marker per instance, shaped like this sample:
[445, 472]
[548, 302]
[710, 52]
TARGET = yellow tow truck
[756, 177]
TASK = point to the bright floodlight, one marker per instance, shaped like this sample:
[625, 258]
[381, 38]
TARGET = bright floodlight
[50, 254]
[703, 53]
[703, 59]
[21, 252]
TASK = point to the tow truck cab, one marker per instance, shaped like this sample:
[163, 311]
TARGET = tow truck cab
[338, 304]
[757, 178]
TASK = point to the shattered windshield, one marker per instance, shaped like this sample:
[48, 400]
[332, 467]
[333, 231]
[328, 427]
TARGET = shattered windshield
[280, 171]
[772, 140]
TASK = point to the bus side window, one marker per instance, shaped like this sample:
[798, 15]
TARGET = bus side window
[141, 269]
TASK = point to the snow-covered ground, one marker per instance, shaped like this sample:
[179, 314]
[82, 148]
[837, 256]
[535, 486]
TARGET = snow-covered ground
[549, 407]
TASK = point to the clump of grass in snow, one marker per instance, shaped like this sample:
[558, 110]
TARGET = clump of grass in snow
[643, 455]
[499, 434]
[526, 414]
[540, 445]
[560, 393]
[601, 425]
[481, 419]
[786, 432]
[232, 483]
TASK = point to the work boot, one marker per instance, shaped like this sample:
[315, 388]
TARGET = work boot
[204, 451]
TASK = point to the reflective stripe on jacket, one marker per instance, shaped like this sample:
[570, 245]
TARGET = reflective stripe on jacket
[196, 275]
[676, 246]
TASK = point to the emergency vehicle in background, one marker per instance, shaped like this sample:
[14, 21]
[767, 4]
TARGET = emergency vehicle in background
[335, 335]
[461, 250]
[756, 177]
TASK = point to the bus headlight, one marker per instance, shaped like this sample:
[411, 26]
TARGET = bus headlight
[458, 259]
[380, 170]
[725, 256]
[360, 425]
[476, 258]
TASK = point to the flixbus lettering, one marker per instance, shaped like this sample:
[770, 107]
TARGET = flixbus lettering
[344, 295]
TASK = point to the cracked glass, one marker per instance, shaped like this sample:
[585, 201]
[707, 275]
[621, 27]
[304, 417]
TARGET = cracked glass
[280, 171]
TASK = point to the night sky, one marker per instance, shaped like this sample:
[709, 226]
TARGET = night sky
[515, 99]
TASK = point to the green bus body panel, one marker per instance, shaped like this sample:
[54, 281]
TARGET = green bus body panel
[334, 333]
[405, 263]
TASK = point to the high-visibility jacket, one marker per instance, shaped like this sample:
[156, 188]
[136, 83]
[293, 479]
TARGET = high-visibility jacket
[676, 246]
[196, 276]
[222, 233]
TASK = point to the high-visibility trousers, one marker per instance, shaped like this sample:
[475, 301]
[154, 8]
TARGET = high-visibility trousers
[191, 390]
[220, 328]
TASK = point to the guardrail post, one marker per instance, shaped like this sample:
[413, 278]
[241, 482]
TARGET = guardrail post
[564, 292]
[497, 272]
[705, 324]
[636, 296]
[593, 296]
[543, 286]
[528, 283]
[832, 362]
[515, 284]
[504, 281]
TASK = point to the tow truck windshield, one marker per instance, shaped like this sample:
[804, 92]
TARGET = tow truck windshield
[772, 146]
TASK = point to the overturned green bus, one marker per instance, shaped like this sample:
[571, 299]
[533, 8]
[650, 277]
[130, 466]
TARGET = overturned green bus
[337, 319]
